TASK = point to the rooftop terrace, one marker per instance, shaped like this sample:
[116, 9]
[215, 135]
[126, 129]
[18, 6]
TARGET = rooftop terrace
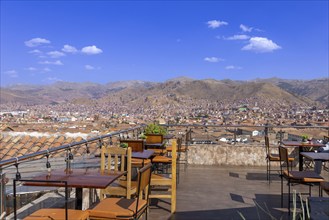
[204, 191]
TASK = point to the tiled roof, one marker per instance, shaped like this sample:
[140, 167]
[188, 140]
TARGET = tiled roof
[16, 146]
[4, 127]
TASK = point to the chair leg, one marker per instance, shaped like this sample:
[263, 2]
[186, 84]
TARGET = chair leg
[281, 192]
[269, 172]
[289, 197]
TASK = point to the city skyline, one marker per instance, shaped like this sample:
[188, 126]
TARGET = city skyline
[107, 41]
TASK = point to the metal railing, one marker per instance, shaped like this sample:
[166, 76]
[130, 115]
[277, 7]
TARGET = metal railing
[45, 153]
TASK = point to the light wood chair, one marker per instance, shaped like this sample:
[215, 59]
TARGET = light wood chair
[117, 159]
[122, 208]
[308, 178]
[273, 158]
[166, 182]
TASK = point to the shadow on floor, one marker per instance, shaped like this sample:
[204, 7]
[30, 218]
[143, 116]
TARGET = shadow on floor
[268, 207]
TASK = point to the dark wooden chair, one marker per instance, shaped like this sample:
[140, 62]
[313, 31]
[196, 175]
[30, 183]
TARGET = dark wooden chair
[273, 158]
[308, 178]
[122, 208]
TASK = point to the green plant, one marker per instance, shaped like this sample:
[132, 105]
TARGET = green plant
[155, 129]
[304, 137]
[124, 145]
[142, 136]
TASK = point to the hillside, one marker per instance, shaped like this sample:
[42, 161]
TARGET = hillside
[171, 92]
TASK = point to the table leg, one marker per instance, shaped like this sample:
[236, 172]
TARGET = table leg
[78, 197]
[300, 157]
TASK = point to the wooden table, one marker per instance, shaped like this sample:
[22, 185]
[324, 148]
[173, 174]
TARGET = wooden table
[144, 155]
[301, 148]
[316, 157]
[77, 178]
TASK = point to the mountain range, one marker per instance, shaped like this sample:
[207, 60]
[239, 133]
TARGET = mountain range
[303, 92]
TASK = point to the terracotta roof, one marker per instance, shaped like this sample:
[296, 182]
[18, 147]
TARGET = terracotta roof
[16, 146]
[4, 127]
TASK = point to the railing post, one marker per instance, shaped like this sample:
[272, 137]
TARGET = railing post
[3, 181]
[235, 131]
[281, 136]
[266, 129]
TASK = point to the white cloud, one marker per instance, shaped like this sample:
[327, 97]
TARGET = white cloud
[12, 73]
[89, 67]
[57, 62]
[46, 69]
[231, 67]
[90, 50]
[36, 42]
[53, 79]
[261, 45]
[69, 49]
[238, 37]
[245, 28]
[36, 51]
[216, 23]
[213, 59]
[56, 54]
[31, 68]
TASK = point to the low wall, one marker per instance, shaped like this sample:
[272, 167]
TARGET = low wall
[226, 154]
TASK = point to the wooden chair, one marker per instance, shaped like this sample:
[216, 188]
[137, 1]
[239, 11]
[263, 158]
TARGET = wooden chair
[122, 208]
[182, 149]
[117, 159]
[57, 213]
[166, 182]
[270, 158]
[309, 178]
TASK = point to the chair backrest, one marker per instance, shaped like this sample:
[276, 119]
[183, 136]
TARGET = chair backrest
[154, 138]
[284, 158]
[117, 159]
[143, 187]
[136, 145]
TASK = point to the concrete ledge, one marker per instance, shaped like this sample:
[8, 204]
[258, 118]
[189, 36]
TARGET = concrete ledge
[225, 154]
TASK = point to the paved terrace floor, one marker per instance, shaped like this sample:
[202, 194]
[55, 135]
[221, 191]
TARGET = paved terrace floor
[219, 192]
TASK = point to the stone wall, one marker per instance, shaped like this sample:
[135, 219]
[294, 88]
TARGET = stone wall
[226, 154]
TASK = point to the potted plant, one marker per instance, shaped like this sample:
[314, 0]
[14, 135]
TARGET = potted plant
[155, 129]
[304, 138]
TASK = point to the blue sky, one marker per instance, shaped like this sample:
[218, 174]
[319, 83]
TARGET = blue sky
[105, 41]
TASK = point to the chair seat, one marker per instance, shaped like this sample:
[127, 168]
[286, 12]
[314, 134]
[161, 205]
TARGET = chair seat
[158, 151]
[161, 159]
[135, 162]
[57, 214]
[119, 188]
[161, 179]
[117, 208]
[305, 176]
[182, 149]
[276, 157]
